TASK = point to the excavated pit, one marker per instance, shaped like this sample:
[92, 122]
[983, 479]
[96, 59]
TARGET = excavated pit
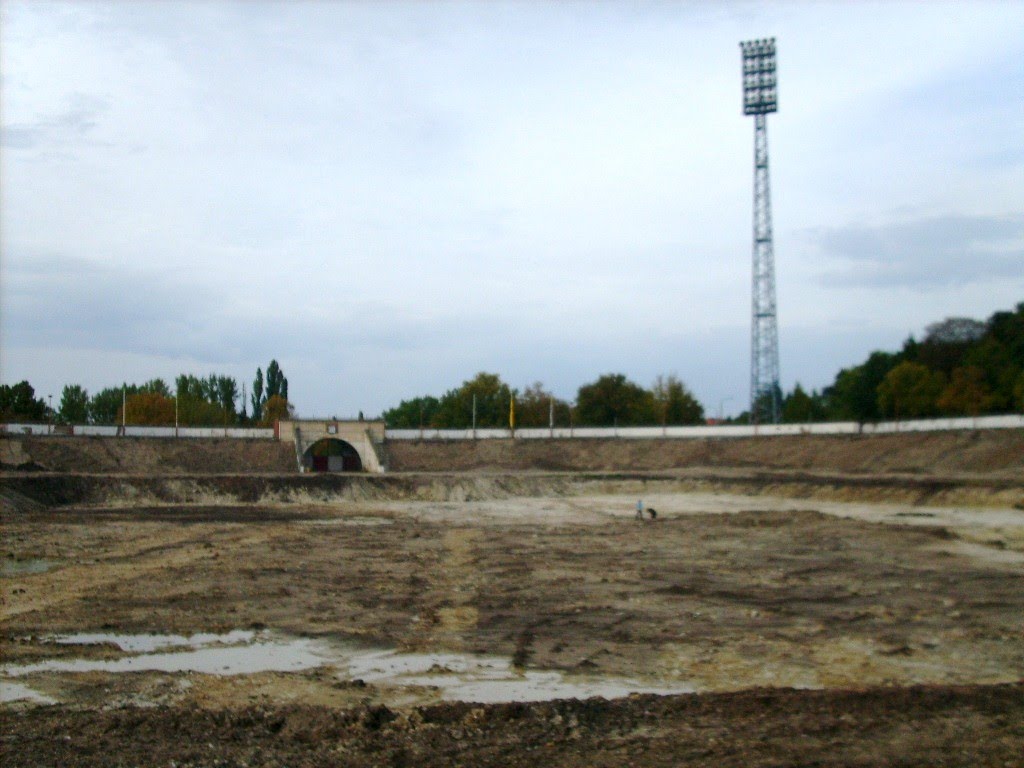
[818, 616]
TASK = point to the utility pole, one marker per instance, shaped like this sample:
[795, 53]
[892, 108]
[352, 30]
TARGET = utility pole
[760, 98]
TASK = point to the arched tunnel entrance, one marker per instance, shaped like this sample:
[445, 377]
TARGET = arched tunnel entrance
[332, 455]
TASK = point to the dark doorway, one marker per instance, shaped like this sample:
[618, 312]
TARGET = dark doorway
[332, 455]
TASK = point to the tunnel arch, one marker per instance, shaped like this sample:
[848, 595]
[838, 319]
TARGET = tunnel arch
[330, 454]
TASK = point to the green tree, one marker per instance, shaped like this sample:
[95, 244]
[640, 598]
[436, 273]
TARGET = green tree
[801, 408]
[412, 414]
[277, 384]
[493, 396]
[19, 403]
[614, 399]
[74, 405]
[1000, 354]
[104, 406]
[198, 404]
[910, 390]
[674, 403]
[536, 405]
[946, 343]
[155, 386]
[854, 395]
[257, 397]
[227, 394]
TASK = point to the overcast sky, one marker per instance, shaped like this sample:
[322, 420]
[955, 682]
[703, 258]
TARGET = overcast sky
[390, 197]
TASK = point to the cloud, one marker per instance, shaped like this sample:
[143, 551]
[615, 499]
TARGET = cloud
[71, 125]
[389, 198]
[64, 301]
[923, 253]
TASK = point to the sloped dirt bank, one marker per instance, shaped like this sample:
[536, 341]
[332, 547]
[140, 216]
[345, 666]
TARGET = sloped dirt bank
[145, 456]
[989, 452]
[62, 490]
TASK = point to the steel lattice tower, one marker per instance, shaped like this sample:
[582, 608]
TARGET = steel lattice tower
[760, 97]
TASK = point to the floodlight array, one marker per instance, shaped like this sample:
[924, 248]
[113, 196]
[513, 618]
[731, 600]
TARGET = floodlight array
[760, 95]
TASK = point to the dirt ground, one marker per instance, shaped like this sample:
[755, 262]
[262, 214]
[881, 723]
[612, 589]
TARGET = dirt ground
[793, 631]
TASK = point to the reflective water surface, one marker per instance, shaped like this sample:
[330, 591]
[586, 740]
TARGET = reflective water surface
[454, 676]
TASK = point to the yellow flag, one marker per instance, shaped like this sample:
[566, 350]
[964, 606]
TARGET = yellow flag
[512, 413]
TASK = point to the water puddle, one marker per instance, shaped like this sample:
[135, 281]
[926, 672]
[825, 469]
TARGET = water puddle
[11, 568]
[151, 643]
[370, 521]
[489, 679]
[450, 676]
[988, 553]
[10, 691]
[235, 653]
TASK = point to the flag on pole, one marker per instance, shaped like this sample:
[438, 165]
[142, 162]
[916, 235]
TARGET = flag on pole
[512, 413]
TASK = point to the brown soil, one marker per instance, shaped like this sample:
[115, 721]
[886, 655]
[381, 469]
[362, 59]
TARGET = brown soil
[785, 597]
[912, 727]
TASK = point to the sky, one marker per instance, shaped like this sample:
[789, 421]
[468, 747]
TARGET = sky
[388, 198]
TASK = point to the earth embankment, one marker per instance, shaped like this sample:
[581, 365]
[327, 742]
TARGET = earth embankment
[146, 456]
[25, 491]
[986, 453]
[878, 625]
[992, 453]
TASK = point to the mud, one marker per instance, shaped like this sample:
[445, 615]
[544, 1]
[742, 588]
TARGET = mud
[925, 727]
[837, 628]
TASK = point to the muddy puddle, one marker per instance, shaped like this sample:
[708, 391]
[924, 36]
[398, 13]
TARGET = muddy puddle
[13, 568]
[11, 691]
[452, 676]
[352, 520]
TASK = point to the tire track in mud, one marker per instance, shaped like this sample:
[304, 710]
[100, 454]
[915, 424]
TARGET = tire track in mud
[449, 613]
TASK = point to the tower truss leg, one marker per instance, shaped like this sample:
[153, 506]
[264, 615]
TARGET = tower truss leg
[765, 395]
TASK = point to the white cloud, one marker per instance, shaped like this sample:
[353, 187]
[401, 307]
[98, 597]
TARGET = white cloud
[399, 195]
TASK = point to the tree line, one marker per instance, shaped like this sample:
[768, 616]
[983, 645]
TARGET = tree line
[611, 399]
[213, 400]
[961, 367]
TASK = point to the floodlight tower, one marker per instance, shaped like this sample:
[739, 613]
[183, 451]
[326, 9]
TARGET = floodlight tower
[759, 99]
